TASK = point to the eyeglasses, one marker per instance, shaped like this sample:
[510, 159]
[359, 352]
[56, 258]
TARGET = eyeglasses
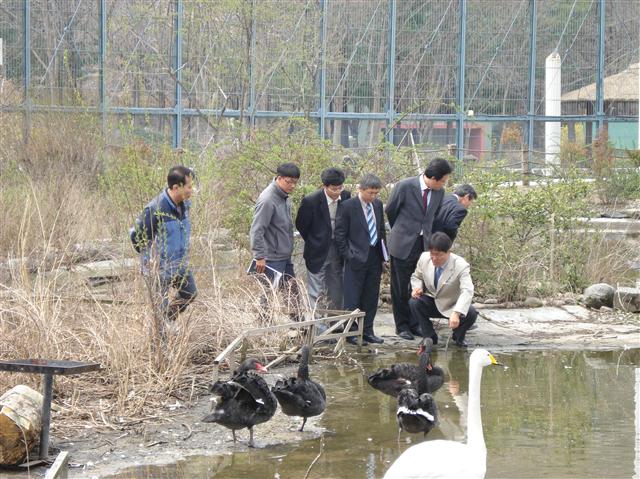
[290, 181]
[335, 189]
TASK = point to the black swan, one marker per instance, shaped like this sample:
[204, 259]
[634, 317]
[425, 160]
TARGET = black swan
[416, 412]
[243, 401]
[423, 377]
[300, 396]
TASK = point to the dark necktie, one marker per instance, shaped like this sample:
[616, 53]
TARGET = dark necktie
[425, 197]
[436, 277]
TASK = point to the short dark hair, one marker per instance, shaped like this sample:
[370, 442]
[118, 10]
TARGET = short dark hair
[288, 170]
[437, 168]
[332, 176]
[178, 175]
[440, 242]
[464, 190]
[370, 181]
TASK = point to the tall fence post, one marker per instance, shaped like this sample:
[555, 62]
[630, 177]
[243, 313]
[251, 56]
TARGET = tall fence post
[600, 72]
[177, 71]
[26, 51]
[391, 72]
[323, 68]
[101, 62]
[252, 63]
[533, 22]
[462, 51]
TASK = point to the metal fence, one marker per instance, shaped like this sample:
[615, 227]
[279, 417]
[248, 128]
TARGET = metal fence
[469, 73]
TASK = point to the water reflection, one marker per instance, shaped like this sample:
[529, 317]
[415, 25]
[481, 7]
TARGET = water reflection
[549, 415]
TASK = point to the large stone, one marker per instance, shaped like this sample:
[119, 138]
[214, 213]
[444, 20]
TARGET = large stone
[532, 302]
[598, 295]
[627, 299]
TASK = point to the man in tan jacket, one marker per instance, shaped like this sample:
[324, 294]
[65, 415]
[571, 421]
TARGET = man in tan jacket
[441, 287]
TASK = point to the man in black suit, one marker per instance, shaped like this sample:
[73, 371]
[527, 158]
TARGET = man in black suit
[359, 235]
[453, 210]
[316, 221]
[411, 209]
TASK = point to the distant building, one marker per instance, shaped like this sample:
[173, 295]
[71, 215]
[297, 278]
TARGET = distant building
[620, 99]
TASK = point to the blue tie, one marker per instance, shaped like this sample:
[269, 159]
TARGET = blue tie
[436, 277]
[371, 224]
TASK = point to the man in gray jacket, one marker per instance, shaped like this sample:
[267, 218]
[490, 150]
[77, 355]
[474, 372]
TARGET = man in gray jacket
[272, 228]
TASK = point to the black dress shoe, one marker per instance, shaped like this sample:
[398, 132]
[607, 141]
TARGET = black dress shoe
[372, 338]
[354, 340]
[434, 338]
[406, 335]
[461, 343]
[417, 331]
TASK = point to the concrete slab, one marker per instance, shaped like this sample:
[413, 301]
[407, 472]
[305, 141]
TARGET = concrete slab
[566, 327]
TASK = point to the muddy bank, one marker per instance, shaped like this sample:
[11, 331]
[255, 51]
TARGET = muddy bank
[177, 433]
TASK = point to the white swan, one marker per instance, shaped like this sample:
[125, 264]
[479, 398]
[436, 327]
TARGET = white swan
[450, 459]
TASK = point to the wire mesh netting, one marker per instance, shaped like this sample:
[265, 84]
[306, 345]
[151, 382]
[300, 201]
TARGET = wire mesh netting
[366, 70]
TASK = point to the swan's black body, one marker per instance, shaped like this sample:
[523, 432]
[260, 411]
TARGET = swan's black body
[423, 377]
[300, 396]
[243, 401]
[416, 412]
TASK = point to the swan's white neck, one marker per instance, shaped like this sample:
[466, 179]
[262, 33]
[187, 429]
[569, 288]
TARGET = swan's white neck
[475, 436]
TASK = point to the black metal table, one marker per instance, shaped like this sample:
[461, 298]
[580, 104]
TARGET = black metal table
[48, 367]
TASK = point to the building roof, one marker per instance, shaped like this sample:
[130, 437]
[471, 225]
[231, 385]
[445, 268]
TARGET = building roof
[621, 86]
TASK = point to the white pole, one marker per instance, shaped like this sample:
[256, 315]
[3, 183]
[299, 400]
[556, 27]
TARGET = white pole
[552, 107]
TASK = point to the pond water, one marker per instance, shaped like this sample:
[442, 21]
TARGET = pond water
[551, 414]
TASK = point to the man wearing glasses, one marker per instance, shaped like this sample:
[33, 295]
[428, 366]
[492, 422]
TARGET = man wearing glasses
[316, 221]
[271, 232]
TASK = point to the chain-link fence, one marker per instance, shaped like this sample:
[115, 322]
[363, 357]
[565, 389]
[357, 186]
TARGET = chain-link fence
[464, 76]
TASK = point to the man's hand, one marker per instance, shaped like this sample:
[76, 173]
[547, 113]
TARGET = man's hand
[454, 320]
[416, 293]
[261, 265]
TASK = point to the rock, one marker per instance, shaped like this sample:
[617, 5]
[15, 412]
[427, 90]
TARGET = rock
[509, 305]
[491, 301]
[531, 302]
[597, 295]
[627, 299]
[605, 309]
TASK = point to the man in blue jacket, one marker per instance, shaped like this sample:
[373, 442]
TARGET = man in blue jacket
[162, 235]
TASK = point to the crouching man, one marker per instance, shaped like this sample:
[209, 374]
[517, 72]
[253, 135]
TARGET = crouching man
[441, 287]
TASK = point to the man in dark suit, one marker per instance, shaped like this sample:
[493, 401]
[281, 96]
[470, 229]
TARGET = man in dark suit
[453, 210]
[316, 221]
[411, 209]
[360, 235]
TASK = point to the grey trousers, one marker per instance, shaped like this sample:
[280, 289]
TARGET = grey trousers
[325, 286]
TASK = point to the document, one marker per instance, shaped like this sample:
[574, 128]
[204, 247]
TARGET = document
[385, 253]
[273, 274]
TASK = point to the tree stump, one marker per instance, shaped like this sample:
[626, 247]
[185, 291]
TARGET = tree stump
[20, 423]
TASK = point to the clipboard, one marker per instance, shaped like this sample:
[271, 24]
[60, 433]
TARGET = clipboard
[385, 252]
[276, 275]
